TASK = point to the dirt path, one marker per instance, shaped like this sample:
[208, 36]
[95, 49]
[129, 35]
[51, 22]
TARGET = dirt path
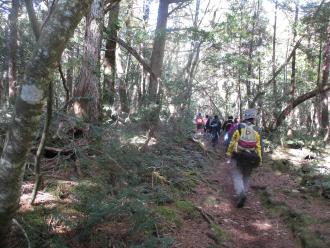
[230, 226]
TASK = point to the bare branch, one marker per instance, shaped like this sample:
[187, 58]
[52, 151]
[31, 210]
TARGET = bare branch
[182, 4]
[109, 5]
[33, 18]
[136, 55]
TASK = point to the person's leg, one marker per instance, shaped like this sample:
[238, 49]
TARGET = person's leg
[247, 170]
[237, 175]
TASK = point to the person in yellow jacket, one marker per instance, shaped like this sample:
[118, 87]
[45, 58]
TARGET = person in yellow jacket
[245, 150]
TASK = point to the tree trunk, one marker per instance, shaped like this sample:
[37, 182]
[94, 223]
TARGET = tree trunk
[293, 62]
[110, 56]
[250, 54]
[124, 104]
[274, 51]
[193, 59]
[158, 51]
[12, 58]
[324, 81]
[143, 84]
[29, 104]
[293, 71]
[33, 18]
[87, 90]
[69, 74]
[317, 102]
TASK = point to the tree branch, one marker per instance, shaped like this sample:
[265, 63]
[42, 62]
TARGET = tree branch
[290, 56]
[182, 4]
[286, 62]
[302, 98]
[37, 30]
[109, 5]
[33, 18]
[136, 55]
[65, 86]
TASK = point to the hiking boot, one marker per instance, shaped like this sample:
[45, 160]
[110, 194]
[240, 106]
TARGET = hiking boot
[241, 200]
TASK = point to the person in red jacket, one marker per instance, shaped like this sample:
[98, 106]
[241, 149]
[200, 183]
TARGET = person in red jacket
[199, 122]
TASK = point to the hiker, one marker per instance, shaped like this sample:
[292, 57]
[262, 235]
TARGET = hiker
[215, 130]
[245, 150]
[199, 123]
[230, 131]
[227, 125]
[207, 127]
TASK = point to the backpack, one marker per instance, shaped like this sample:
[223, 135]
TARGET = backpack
[231, 129]
[248, 137]
[229, 126]
[199, 120]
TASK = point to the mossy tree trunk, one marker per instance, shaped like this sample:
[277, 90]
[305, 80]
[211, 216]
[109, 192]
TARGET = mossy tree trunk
[158, 51]
[87, 90]
[29, 102]
[12, 60]
[110, 55]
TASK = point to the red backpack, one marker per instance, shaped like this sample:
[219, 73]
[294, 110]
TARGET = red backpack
[199, 120]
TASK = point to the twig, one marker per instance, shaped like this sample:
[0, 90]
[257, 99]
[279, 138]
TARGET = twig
[23, 231]
[42, 143]
[206, 216]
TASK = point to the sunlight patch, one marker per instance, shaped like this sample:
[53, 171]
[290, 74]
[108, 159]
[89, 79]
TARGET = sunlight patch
[137, 140]
[262, 225]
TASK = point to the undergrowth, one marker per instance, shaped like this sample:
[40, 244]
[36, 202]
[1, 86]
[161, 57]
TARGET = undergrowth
[125, 197]
[301, 224]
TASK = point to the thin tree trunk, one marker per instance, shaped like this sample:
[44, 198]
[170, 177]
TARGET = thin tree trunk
[29, 103]
[144, 86]
[317, 102]
[69, 74]
[192, 59]
[293, 71]
[274, 51]
[87, 90]
[251, 50]
[12, 58]
[110, 56]
[33, 18]
[239, 97]
[293, 62]
[124, 104]
[324, 80]
[38, 176]
[239, 93]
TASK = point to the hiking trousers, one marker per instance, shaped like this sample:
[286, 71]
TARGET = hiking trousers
[240, 176]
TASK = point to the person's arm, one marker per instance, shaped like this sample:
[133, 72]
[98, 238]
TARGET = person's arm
[258, 147]
[233, 143]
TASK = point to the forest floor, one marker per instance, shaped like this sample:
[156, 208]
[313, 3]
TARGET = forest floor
[177, 193]
[276, 214]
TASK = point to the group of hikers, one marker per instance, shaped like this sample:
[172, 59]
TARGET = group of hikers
[243, 145]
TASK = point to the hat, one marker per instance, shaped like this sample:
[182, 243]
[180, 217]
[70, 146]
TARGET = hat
[250, 114]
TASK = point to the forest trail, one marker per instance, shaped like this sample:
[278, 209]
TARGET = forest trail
[248, 227]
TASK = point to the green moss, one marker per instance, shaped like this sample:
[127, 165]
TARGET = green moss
[169, 215]
[299, 223]
[218, 233]
[187, 207]
[282, 165]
